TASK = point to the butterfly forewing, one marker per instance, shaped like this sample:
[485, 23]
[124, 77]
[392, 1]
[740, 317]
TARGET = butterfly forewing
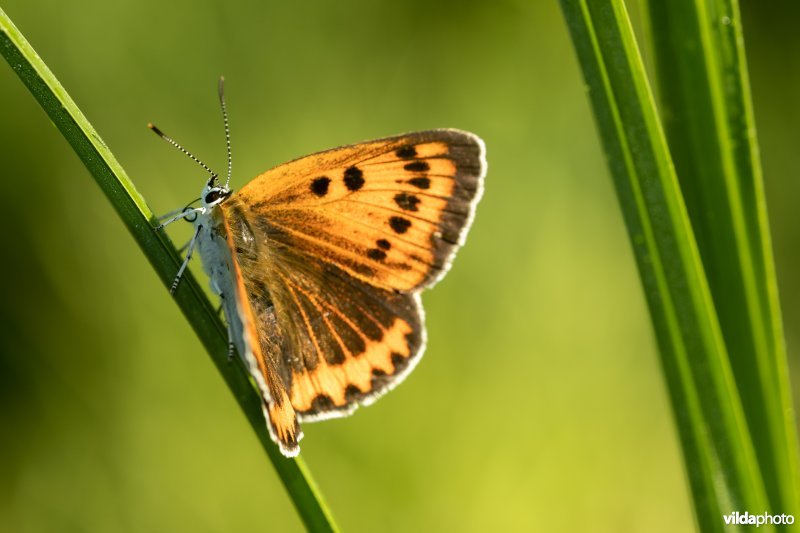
[388, 212]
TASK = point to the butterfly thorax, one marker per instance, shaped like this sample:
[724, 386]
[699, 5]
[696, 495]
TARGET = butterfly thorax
[215, 226]
[228, 244]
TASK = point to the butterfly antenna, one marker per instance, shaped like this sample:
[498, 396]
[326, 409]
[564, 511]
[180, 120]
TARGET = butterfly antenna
[220, 88]
[181, 148]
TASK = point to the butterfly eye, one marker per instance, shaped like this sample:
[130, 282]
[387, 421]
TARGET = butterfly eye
[214, 195]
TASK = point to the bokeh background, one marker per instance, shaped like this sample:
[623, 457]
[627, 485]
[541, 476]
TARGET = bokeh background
[539, 404]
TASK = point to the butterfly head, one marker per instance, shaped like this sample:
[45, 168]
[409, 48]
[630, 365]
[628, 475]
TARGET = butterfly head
[213, 193]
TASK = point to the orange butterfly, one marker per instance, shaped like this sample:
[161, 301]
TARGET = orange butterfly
[320, 262]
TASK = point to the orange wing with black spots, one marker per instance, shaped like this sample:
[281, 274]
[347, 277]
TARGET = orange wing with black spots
[334, 249]
[390, 212]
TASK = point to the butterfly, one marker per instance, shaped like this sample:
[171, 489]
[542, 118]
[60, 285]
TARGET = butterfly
[320, 262]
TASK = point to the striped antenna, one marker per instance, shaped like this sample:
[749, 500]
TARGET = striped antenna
[182, 149]
[227, 129]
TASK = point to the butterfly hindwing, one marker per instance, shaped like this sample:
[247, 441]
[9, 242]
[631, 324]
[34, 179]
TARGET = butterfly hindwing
[355, 340]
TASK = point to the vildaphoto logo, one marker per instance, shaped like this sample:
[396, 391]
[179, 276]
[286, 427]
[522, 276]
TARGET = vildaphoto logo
[745, 518]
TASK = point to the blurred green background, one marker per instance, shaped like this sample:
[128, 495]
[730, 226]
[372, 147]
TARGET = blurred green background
[539, 404]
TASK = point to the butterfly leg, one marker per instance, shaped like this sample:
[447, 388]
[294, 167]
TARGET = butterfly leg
[231, 345]
[172, 213]
[189, 250]
[186, 212]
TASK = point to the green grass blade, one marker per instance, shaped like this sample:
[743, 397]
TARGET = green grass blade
[719, 455]
[704, 96]
[139, 220]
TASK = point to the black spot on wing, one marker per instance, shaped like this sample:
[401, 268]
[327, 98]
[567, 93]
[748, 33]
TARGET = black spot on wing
[376, 254]
[320, 185]
[399, 224]
[383, 244]
[321, 403]
[352, 394]
[353, 178]
[406, 152]
[406, 202]
[420, 183]
[417, 166]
